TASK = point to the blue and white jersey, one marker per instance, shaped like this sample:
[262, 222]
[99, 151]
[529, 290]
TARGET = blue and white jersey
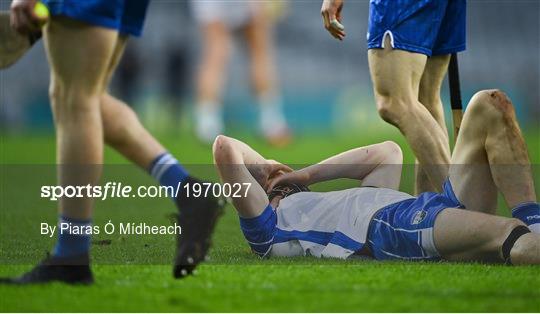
[330, 224]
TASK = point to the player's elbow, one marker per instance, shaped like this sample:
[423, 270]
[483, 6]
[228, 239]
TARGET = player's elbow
[222, 149]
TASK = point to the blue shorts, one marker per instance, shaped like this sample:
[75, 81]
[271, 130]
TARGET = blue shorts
[125, 16]
[404, 230]
[430, 27]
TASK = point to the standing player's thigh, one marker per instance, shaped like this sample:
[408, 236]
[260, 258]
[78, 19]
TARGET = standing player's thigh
[434, 72]
[119, 49]
[470, 173]
[396, 72]
[79, 54]
[462, 235]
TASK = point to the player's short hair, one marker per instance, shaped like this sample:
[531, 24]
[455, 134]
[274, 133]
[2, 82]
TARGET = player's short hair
[286, 190]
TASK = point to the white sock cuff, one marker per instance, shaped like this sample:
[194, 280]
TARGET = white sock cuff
[535, 228]
[161, 165]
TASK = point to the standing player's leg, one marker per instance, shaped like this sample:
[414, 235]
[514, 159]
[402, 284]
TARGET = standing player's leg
[429, 93]
[258, 33]
[122, 129]
[215, 56]
[396, 76]
[462, 235]
[418, 29]
[124, 132]
[491, 155]
[430, 96]
[77, 82]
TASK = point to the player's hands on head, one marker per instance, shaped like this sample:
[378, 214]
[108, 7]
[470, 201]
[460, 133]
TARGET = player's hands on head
[331, 14]
[275, 169]
[23, 17]
[297, 176]
[277, 166]
[263, 173]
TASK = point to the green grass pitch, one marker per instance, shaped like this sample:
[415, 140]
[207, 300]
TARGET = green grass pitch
[133, 274]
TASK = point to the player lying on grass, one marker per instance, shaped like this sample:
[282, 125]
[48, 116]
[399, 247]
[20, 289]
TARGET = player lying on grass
[378, 221]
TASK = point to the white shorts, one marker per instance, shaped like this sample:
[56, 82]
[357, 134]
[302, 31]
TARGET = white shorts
[233, 13]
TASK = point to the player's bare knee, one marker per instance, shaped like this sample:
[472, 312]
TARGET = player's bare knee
[393, 148]
[72, 104]
[501, 101]
[391, 109]
[218, 144]
[394, 154]
[493, 104]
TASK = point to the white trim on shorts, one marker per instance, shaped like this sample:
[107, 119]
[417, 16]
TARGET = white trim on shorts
[427, 240]
[388, 33]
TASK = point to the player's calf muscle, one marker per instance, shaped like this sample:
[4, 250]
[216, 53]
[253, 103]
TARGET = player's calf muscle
[504, 230]
[119, 121]
[493, 250]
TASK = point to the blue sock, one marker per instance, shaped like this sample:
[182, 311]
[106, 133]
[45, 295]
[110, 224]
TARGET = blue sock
[529, 213]
[74, 240]
[167, 170]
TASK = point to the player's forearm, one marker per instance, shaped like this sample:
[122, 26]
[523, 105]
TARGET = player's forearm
[331, 171]
[245, 153]
[256, 164]
[355, 164]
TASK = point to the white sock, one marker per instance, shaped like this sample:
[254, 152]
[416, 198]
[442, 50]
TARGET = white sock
[529, 213]
[534, 228]
[271, 117]
[209, 121]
